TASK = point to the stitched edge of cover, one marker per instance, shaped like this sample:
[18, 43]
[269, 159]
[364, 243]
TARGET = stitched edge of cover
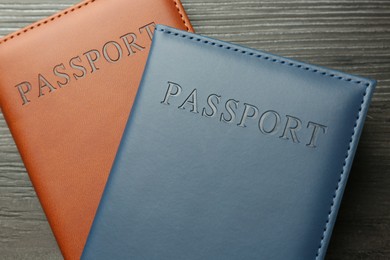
[181, 14]
[308, 68]
[67, 11]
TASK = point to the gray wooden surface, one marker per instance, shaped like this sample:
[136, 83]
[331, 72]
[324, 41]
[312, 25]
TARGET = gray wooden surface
[349, 35]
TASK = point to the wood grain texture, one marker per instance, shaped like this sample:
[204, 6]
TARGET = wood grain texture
[349, 35]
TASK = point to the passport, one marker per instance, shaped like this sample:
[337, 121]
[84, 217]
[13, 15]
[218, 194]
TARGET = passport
[67, 85]
[229, 153]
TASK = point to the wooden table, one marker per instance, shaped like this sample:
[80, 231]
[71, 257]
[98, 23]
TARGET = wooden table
[349, 35]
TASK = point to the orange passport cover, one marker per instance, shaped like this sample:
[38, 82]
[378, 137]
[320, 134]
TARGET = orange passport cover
[67, 84]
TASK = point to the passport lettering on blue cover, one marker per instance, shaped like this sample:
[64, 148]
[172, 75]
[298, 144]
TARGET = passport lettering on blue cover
[229, 153]
[269, 122]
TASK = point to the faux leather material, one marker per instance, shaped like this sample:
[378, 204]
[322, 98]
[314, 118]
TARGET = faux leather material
[68, 137]
[187, 183]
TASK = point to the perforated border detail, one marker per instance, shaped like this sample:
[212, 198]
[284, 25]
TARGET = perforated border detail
[307, 68]
[71, 10]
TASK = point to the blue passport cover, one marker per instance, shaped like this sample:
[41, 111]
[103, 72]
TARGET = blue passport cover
[229, 153]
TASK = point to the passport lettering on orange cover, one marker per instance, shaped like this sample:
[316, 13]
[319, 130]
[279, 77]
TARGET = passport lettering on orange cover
[67, 84]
